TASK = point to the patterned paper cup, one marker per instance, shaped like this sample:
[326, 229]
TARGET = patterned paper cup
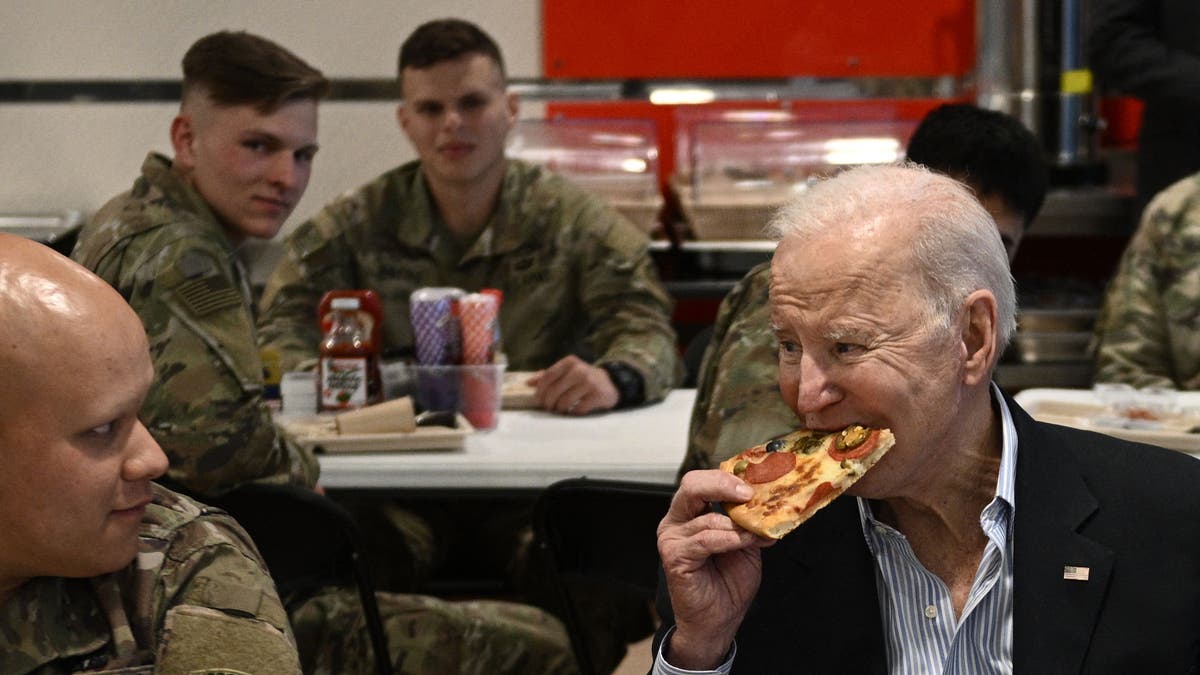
[477, 316]
[435, 326]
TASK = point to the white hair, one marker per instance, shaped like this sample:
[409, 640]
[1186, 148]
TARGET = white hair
[957, 249]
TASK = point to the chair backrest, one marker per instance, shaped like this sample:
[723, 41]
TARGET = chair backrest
[309, 542]
[600, 533]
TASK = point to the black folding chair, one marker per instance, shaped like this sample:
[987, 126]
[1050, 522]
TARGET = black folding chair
[601, 534]
[309, 542]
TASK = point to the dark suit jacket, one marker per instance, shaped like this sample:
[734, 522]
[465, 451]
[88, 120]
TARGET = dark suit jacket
[1129, 512]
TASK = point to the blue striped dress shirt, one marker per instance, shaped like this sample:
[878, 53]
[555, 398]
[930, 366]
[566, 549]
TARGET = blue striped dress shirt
[922, 634]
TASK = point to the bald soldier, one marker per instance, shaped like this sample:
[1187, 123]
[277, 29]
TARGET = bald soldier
[100, 569]
[244, 141]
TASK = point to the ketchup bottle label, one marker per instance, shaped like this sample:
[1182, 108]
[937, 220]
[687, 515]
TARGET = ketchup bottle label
[343, 382]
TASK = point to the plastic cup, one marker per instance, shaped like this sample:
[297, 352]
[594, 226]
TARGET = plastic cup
[476, 391]
[481, 395]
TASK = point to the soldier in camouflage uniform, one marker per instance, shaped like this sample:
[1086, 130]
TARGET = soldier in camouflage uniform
[169, 246]
[737, 397]
[1148, 333]
[100, 570]
[582, 305]
[577, 277]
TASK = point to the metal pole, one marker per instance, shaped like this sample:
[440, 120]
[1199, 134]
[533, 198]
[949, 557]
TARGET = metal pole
[1006, 60]
[1070, 103]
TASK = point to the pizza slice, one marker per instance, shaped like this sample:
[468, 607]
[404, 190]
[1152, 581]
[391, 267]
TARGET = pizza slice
[796, 475]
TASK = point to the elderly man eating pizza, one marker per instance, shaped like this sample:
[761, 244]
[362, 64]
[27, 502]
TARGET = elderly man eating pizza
[983, 541]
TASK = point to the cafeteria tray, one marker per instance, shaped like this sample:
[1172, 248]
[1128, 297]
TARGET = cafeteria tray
[318, 433]
[1082, 410]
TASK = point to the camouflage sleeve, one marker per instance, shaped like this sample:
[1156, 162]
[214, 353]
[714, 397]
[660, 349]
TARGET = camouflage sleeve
[701, 433]
[205, 406]
[1148, 333]
[218, 604]
[737, 397]
[628, 309]
[316, 260]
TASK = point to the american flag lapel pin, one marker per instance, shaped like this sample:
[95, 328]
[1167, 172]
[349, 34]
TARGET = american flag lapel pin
[1074, 573]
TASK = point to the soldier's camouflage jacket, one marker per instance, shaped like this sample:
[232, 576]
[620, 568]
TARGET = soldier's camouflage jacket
[431, 636]
[1148, 333]
[576, 276]
[738, 403]
[197, 598]
[162, 248]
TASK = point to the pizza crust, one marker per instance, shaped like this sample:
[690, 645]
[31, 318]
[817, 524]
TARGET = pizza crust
[816, 478]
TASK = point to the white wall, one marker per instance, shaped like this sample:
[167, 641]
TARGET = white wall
[77, 155]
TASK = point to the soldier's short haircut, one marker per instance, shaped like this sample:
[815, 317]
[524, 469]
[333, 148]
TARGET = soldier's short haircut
[239, 68]
[446, 40]
[992, 151]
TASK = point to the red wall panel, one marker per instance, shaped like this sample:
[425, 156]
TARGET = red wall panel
[757, 38]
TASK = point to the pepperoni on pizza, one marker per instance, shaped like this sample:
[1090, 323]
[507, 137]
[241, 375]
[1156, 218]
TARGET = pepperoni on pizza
[796, 475]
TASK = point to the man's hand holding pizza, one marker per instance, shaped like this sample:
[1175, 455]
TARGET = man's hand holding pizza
[712, 566]
[712, 561]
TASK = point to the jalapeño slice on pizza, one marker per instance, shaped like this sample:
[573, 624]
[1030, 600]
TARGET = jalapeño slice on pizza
[795, 476]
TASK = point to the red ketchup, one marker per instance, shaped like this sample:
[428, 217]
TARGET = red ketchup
[370, 311]
[348, 375]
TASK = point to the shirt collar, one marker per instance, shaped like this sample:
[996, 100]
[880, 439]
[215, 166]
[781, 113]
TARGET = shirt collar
[1006, 481]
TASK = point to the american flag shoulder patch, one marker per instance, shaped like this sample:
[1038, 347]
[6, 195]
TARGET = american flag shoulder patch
[208, 294]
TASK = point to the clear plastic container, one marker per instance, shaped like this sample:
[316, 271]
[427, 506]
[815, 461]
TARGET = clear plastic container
[615, 159]
[735, 170]
[474, 391]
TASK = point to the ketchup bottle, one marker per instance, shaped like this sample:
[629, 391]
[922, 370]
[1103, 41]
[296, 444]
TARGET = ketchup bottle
[348, 376]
